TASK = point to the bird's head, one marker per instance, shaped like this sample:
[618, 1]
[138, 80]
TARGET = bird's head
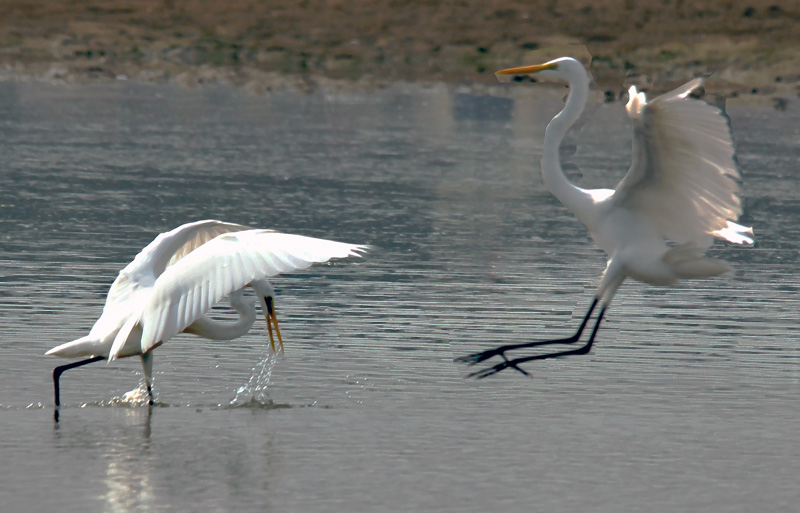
[262, 288]
[563, 68]
[266, 294]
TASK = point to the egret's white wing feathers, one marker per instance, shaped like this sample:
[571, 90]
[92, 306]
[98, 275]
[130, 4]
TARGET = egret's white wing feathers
[198, 234]
[683, 176]
[166, 249]
[188, 288]
[681, 190]
[736, 233]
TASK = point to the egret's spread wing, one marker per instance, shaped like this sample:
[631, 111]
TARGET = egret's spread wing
[171, 246]
[189, 288]
[683, 176]
[166, 249]
[199, 233]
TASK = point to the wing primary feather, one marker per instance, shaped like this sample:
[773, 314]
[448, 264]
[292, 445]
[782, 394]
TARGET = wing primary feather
[189, 287]
[684, 176]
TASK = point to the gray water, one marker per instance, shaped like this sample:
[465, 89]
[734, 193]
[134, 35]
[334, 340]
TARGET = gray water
[688, 402]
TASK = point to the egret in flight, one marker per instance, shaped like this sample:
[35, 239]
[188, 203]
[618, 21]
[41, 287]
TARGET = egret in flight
[681, 191]
[175, 280]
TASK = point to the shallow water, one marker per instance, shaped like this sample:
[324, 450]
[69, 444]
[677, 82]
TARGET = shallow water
[688, 402]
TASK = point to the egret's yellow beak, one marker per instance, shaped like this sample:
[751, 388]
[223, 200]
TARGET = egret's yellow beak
[527, 70]
[272, 318]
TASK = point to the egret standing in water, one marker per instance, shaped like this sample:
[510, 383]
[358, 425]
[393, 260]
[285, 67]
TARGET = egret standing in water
[175, 280]
[681, 190]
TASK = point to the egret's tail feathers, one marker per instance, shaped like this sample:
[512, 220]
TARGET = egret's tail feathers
[701, 268]
[84, 346]
[121, 339]
[687, 261]
[736, 234]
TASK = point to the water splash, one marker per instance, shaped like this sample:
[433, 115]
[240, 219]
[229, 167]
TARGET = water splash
[139, 396]
[254, 393]
[136, 397]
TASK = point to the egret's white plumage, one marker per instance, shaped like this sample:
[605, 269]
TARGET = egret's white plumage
[170, 286]
[681, 191]
[683, 177]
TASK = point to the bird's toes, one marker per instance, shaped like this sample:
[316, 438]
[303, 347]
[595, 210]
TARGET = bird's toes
[491, 371]
[512, 365]
[472, 359]
[483, 373]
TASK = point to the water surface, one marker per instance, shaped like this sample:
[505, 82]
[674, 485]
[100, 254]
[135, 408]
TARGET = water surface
[688, 401]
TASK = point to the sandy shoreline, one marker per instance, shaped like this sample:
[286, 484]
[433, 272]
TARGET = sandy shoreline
[752, 48]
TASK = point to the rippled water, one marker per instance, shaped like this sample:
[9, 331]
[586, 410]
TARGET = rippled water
[688, 402]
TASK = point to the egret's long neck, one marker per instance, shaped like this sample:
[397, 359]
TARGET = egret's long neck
[574, 198]
[221, 330]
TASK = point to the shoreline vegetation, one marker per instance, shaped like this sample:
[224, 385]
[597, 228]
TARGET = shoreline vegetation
[751, 47]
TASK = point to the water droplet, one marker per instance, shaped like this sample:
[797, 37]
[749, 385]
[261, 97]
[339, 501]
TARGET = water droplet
[255, 391]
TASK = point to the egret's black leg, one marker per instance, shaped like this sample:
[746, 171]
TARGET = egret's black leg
[58, 371]
[514, 364]
[472, 359]
[147, 367]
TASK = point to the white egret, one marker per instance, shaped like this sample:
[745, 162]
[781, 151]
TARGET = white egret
[681, 190]
[170, 286]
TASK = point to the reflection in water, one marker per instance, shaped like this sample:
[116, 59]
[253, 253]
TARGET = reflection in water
[129, 478]
[124, 451]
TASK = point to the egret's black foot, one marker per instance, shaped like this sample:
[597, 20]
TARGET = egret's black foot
[472, 359]
[507, 364]
[514, 364]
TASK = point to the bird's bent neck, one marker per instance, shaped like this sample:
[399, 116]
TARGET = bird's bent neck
[213, 329]
[574, 198]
